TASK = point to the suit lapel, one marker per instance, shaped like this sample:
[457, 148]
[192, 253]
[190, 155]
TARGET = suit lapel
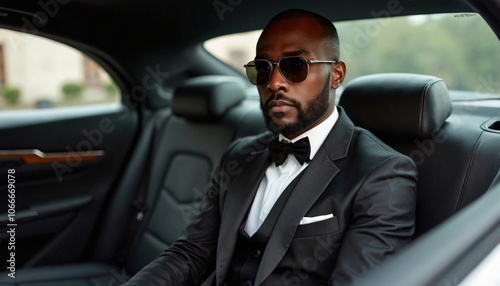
[239, 198]
[315, 179]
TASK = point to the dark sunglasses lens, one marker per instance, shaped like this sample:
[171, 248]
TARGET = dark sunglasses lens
[295, 69]
[258, 72]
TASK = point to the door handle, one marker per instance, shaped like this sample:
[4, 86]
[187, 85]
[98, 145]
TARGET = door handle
[35, 156]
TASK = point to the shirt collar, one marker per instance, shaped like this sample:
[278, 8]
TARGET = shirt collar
[317, 134]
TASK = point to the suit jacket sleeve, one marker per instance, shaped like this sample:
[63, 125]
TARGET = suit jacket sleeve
[383, 216]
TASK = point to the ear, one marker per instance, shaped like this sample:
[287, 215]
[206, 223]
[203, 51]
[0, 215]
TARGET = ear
[337, 74]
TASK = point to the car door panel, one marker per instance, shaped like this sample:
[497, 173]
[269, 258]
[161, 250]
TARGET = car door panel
[57, 167]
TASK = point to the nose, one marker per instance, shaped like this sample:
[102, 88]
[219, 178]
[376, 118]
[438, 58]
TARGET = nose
[277, 81]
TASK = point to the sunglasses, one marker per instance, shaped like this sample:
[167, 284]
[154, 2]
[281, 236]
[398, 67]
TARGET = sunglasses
[293, 69]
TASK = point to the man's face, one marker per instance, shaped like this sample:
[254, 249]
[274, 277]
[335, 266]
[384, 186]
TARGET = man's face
[292, 108]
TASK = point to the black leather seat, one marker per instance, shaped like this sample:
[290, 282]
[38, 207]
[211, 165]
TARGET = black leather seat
[206, 114]
[412, 113]
[206, 118]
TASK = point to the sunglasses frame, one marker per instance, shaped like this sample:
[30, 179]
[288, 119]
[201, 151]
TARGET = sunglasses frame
[277, 63]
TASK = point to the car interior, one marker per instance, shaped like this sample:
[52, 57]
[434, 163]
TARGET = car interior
[129, 176]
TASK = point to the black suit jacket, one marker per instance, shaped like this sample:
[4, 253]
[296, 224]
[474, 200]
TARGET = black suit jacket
[368, 187]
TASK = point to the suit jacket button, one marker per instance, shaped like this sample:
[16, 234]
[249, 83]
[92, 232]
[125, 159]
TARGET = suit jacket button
[248, 283]
[256, 253]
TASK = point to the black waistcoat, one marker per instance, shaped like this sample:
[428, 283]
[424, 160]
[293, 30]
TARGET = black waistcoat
[249, 250]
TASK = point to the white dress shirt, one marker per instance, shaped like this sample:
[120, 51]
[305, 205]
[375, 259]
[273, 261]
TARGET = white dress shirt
[277, 178]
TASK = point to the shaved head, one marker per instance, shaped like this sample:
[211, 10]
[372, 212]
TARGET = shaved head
[331, 38]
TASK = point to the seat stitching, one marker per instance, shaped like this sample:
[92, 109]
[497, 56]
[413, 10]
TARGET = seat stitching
[468, 171]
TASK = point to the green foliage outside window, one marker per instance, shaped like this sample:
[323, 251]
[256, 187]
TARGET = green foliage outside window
[460, 49]
[111, 88]
[72, 91]
[11, 95]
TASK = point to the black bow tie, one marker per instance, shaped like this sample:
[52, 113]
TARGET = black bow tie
[280, 150]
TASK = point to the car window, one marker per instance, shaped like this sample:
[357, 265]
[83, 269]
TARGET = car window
[39, 73]
[459, 48]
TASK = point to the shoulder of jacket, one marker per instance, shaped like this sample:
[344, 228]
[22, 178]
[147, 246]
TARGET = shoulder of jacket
[245, 146]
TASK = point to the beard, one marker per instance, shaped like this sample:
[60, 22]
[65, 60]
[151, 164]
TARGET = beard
[316, 108]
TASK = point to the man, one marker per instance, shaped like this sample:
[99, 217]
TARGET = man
[325, 215]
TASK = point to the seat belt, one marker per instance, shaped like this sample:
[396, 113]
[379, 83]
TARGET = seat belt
[139, 204]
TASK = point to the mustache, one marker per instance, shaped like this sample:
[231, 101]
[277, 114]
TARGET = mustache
[281, 96]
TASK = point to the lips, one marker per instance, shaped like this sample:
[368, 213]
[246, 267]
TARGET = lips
[280, 105]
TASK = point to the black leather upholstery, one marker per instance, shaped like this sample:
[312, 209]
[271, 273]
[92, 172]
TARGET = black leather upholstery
[411, 113]
[207, 114]
[402, 105]
[207, 97]
[186, 154]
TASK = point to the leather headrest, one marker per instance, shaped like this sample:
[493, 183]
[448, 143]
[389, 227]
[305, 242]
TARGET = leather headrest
[207, 97]
[397, 105]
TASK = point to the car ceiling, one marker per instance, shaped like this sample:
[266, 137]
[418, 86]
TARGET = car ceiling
[127, 35]
[192, 21]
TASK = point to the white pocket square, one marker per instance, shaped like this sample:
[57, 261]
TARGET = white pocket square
[312, 219]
